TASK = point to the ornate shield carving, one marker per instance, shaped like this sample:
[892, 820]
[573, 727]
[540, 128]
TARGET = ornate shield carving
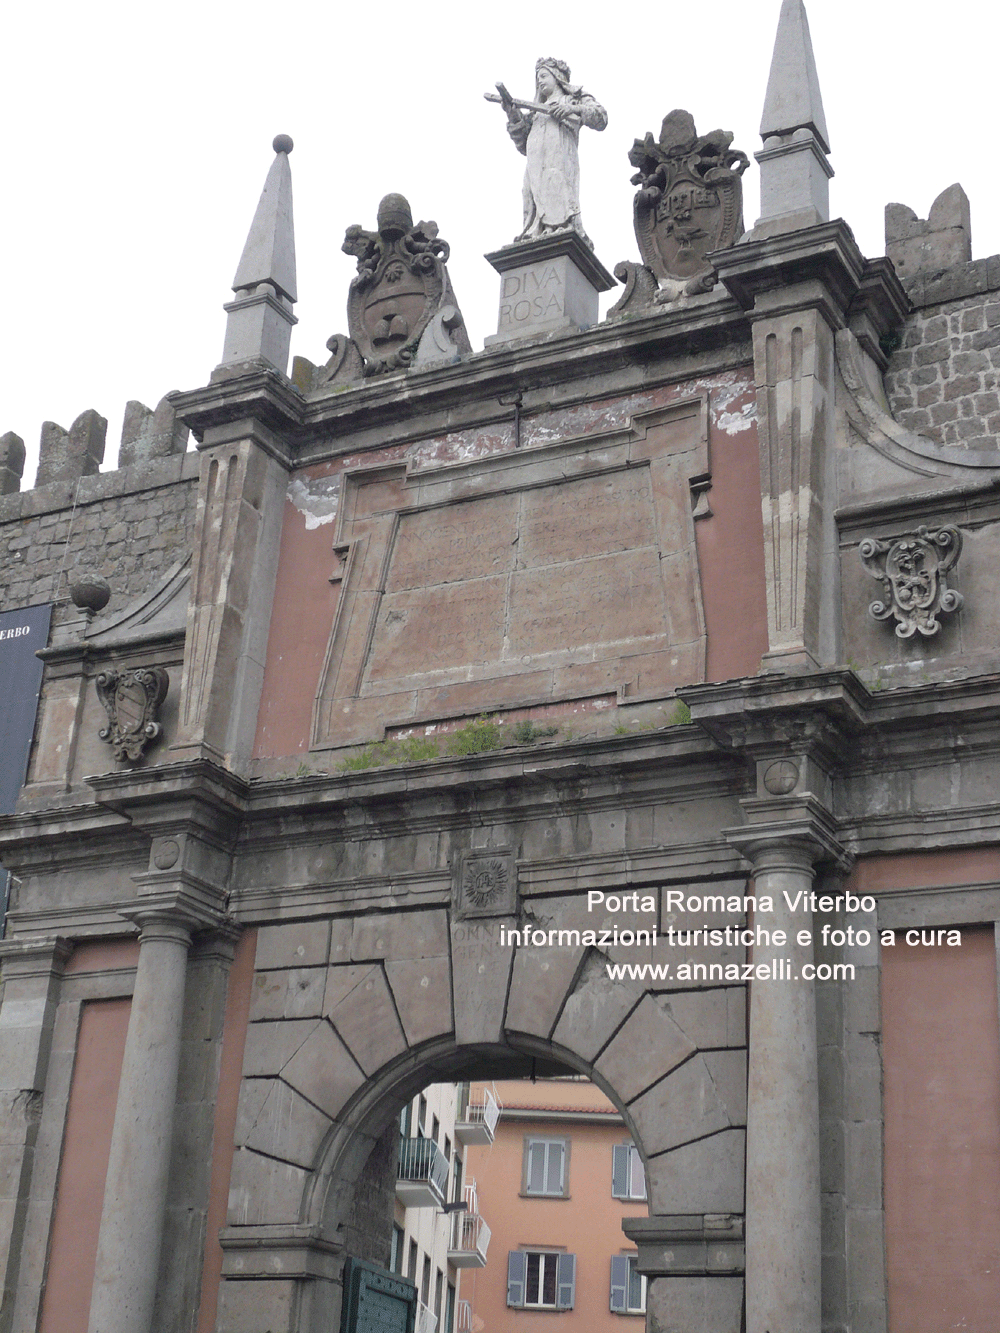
[690, 200]
[132, 699]
[402, 284]
[913, 572]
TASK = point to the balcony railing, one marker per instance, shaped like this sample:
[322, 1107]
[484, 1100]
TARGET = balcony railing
[422, 1175]
[478, 1121]
[470, 1236]
[463, 1317]
[426, 1319]
[470, 1239]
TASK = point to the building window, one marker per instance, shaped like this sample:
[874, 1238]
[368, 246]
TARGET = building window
[545, 1167]
[541, 1280]
[422, 1113]
[449, 1309]
[628, 1285]
[457, 1178]
[425, 1281]
[628, 1178]
[438, 1292]
[396, 1260]
[411, 1265]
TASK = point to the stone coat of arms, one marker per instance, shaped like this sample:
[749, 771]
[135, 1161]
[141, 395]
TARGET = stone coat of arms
[401, 287]
[690, 197]
[689, 203]
[913, 571]
[132, 699]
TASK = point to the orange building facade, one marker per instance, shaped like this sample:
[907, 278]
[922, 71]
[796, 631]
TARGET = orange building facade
[555, 1184]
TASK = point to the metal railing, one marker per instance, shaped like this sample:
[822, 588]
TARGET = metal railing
[426, 1319]
[486, 1112]
[463, 1317]
[423, 1160]
[470, 1234]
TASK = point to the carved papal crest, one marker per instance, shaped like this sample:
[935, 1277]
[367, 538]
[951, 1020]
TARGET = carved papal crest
[402, 284]
[913, 570]
[132, 701]
[690, 198]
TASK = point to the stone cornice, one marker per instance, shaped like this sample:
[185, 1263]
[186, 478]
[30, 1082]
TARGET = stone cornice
[297, 1249]
[422, 404]
[150, 796]
[695, 1245]
[827, 254]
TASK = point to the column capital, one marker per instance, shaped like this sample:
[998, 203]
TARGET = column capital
[699, 1245]
[791, 833]
[174, 913]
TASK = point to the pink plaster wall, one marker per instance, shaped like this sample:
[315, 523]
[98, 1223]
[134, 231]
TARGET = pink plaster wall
[86, 1148]
[941, 1049]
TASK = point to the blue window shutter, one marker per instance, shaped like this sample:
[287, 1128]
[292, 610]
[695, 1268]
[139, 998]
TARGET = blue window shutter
[637, 1184]
[535, 1183]
[619, 1283]
[556, 1181]
[517, 1267]
[619, 1171]
[566, 1282]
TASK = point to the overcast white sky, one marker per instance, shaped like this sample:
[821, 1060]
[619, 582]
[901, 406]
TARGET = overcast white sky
[138, 138]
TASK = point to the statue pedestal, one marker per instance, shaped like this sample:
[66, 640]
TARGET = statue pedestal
[548, 285]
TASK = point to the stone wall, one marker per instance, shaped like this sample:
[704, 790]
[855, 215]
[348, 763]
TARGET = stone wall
[129, 526]
[369, 1230]
[944, 381]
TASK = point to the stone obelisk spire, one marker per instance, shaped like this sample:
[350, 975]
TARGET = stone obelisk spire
[259, 327]
[794, 170]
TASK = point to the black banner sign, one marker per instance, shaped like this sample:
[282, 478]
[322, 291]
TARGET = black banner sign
[22, 633]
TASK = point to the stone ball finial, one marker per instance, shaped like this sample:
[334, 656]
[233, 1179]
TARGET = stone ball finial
[89, 591]
[282, 143]
[394, 216]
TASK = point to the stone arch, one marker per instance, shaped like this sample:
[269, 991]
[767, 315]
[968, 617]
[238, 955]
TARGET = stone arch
[345, 1029]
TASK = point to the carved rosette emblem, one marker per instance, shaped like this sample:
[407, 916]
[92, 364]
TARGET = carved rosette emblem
[402, 284]
[132, 700]
[913, 571]
[487, 884]
[690, 199]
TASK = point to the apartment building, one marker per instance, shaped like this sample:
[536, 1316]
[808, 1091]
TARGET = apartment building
[556, 1182]
[438, 1230]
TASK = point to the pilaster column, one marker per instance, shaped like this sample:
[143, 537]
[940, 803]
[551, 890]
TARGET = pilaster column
[783, 1288]
[135, 1191]
[31, 971]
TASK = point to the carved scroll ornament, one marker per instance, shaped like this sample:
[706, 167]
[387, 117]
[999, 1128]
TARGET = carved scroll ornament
[913, 571]
[132, 700]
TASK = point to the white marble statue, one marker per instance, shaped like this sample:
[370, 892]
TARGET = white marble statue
[547, 131]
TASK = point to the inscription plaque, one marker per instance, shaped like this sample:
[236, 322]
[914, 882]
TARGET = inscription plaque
[559, 571]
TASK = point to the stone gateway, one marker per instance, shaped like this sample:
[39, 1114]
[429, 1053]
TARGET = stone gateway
[446, 715]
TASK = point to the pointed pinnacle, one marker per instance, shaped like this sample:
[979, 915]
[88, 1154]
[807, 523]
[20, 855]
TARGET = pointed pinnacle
[269, 254]
[793, 100]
